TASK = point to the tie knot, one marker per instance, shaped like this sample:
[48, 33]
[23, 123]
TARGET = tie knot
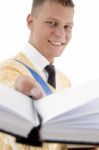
[51, 75]
[50, 69]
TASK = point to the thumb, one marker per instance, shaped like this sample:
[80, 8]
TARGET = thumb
[29, 87]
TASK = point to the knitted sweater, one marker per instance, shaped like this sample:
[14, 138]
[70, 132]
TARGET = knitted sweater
[10, 70]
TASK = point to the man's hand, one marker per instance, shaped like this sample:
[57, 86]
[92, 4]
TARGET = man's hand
[29, 87]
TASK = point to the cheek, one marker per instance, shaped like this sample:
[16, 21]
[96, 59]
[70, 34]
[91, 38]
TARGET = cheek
[69, 36]
[44, 36]
[37, 35]
[47, 32]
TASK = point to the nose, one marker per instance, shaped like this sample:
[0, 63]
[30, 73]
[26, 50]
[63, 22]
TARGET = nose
[59, 32]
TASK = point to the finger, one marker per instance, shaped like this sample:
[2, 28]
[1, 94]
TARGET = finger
[29, 87]
[37, 93]
[24, 84]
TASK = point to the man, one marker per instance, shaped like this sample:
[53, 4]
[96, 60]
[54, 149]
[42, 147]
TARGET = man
[50, 23]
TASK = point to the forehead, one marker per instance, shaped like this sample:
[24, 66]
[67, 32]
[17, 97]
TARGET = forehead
[55, 11]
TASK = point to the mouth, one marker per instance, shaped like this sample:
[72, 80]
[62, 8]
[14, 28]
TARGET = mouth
[56, 43]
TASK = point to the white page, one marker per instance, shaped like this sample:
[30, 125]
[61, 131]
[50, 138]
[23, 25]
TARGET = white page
[66, 100]
[88, 109]
[18, 103]
[71, 135]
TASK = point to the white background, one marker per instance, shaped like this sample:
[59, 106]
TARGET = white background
[80, 60]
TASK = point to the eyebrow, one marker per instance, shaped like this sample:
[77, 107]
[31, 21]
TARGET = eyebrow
[51, 18]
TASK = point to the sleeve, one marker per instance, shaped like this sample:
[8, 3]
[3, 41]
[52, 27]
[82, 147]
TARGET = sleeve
[8, 76]
[10, 71]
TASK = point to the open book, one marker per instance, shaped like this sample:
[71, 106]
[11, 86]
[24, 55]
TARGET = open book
[70, 116]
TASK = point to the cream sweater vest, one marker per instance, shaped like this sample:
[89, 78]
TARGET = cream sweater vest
[10, 70]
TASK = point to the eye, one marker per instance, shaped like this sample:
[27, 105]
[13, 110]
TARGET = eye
[67, 27]
[51, 23]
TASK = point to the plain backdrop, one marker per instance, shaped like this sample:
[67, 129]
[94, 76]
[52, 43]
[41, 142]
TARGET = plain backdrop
[80, 60]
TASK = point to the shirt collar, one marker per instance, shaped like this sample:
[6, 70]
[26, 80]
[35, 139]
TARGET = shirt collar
[35, 56]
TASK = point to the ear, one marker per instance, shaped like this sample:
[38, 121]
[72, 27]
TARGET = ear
[29, 21]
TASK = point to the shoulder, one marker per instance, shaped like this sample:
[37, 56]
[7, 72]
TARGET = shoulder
[11, 69]
[13, 65]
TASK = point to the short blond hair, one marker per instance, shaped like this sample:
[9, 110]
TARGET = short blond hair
[65, 3]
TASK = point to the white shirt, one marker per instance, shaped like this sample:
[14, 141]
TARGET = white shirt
[36, 58]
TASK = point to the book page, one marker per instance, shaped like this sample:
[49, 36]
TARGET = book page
[14, 102]
[84, 111]
[67, 100]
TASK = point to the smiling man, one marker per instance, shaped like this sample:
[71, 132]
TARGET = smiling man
[50, 23]
[51, 27]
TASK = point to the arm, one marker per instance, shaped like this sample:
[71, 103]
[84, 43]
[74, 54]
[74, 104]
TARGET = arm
[18, 78]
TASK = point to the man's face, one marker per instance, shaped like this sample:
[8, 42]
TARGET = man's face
[50, 29]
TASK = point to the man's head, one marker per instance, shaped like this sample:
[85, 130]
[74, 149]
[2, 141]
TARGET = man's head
[50, 24]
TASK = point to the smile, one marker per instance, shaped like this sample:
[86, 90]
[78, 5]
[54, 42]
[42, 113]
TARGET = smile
[56, 43]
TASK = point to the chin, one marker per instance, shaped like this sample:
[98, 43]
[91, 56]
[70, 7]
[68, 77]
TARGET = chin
[58, 55]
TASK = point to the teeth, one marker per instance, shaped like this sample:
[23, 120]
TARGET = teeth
[56, 43]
